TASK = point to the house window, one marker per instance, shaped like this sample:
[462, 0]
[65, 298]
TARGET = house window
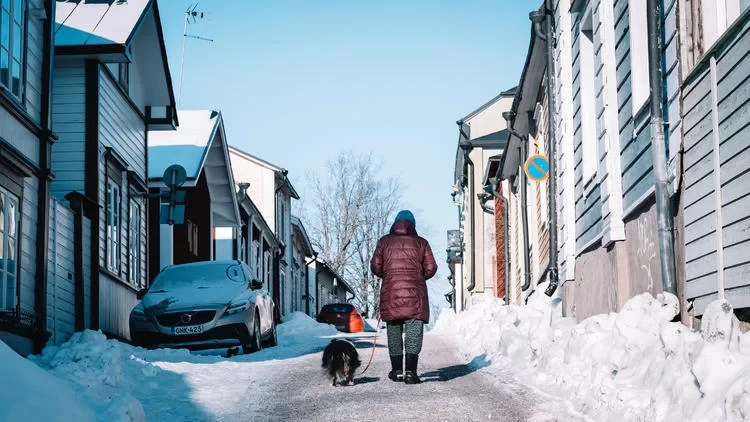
[586, 80]
[638, 54]
[256, 258]
[123, 75]
[718, 15]
[12, 30]
[114, 200]
[134, 257]
[9, 218]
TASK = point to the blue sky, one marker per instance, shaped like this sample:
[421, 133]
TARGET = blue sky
[300, 81]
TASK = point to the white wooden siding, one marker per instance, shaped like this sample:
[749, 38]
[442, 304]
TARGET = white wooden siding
[28, 243]
[61, 273]
[717, 112]
[115, 303]
[69, 123]
[86, 272]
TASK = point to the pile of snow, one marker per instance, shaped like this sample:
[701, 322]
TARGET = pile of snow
[27, 393]
[115, 381]
[632, 365]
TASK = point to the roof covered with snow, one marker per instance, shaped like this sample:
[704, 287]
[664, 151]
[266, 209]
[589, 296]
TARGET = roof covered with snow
[186, 146]
[111, 22]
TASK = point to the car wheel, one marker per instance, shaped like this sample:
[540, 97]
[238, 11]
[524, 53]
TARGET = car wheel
[255, 344]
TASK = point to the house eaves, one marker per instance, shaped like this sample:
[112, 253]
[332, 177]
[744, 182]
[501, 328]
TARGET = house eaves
[524, 102]
[300, 228]
[338, 277]
[249, 207]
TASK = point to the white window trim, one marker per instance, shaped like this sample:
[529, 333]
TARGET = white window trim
[718, 16]
[639, 83]
[114, 209]
[8, 49]
[589, 159]
[7, 286]
[134, 247]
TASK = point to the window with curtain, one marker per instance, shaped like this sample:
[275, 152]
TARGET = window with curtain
[9, 218]
[114, 200]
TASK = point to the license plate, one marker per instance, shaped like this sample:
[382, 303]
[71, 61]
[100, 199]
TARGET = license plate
[190, 329]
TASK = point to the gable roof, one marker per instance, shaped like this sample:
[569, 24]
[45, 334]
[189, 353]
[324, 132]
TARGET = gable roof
[507, 93]
[199, 145]
[186, 146]
[297, 226]
[280, 172]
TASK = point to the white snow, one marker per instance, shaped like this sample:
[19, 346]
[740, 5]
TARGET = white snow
[626, 366]
[187, 145]
[631, 365]
[94, 378]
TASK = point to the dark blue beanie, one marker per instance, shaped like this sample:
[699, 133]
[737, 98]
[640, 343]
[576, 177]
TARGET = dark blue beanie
[406, 215]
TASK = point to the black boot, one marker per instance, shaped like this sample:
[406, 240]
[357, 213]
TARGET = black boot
[410, 376]
[397, 365]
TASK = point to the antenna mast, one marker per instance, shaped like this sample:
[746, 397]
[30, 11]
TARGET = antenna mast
[191, 15]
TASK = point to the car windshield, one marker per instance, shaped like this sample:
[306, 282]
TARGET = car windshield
[209, 275]
[338, 309]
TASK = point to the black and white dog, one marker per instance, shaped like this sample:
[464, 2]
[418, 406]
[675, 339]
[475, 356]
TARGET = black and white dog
[340, 361]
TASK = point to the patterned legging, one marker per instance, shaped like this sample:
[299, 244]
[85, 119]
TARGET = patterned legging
[414, 330]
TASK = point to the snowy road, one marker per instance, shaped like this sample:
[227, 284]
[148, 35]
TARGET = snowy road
[295, 389]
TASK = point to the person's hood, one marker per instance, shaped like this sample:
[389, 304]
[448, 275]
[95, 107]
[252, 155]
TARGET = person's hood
[403, 227]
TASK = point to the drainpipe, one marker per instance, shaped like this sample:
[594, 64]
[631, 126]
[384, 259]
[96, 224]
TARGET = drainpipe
[509, 117]
[665, 224]
[549, 37]
[496, 194]
[466, 146]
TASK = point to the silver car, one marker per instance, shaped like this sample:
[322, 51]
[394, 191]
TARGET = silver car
[204, 305]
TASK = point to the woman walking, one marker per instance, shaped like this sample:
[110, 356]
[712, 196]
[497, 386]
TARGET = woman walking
[405, 262]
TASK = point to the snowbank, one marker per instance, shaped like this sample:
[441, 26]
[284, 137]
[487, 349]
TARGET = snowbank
[27, 393]
[632, 365]
[122, 382]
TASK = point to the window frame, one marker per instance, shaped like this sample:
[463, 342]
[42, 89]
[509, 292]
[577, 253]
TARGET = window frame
[13, 21]
[589, 150]
[135, 242]
[113, 213]
[13, 287]
[639, 81]
[123, 75]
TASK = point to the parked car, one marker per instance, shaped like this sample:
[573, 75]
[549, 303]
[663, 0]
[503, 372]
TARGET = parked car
[204, 305]
[343, 316]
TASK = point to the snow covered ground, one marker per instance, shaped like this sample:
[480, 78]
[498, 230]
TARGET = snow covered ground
[634, 365]
[627, 366]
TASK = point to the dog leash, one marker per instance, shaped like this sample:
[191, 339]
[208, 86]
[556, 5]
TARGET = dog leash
[374, 343]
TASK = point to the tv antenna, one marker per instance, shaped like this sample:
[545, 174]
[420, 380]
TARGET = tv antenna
[191, 16]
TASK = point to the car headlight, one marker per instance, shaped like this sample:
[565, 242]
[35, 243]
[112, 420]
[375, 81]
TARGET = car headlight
[139, 315]
[237, 307]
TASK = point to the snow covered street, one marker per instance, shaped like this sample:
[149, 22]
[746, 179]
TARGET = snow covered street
[494, 362]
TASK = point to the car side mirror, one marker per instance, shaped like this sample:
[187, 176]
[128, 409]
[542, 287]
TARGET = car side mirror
[256, 284]
[141, 293]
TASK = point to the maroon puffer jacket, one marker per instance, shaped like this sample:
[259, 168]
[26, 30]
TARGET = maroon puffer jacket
[404, 261]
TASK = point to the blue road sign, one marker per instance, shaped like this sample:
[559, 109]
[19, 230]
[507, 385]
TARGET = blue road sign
[537, 167]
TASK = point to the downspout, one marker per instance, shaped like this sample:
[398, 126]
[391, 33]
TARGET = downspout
[665, 224]
[467, 147]
[549, 37]
[506, 247]
[46, 138]
[509, 117]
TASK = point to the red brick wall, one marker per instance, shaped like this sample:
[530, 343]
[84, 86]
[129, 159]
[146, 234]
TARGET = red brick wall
[499, 247]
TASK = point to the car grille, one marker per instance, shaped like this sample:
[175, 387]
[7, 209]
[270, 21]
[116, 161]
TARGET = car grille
[193, 318]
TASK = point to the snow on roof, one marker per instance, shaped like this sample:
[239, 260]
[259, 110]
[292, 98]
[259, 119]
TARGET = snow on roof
[79, 23]
[186, 146]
